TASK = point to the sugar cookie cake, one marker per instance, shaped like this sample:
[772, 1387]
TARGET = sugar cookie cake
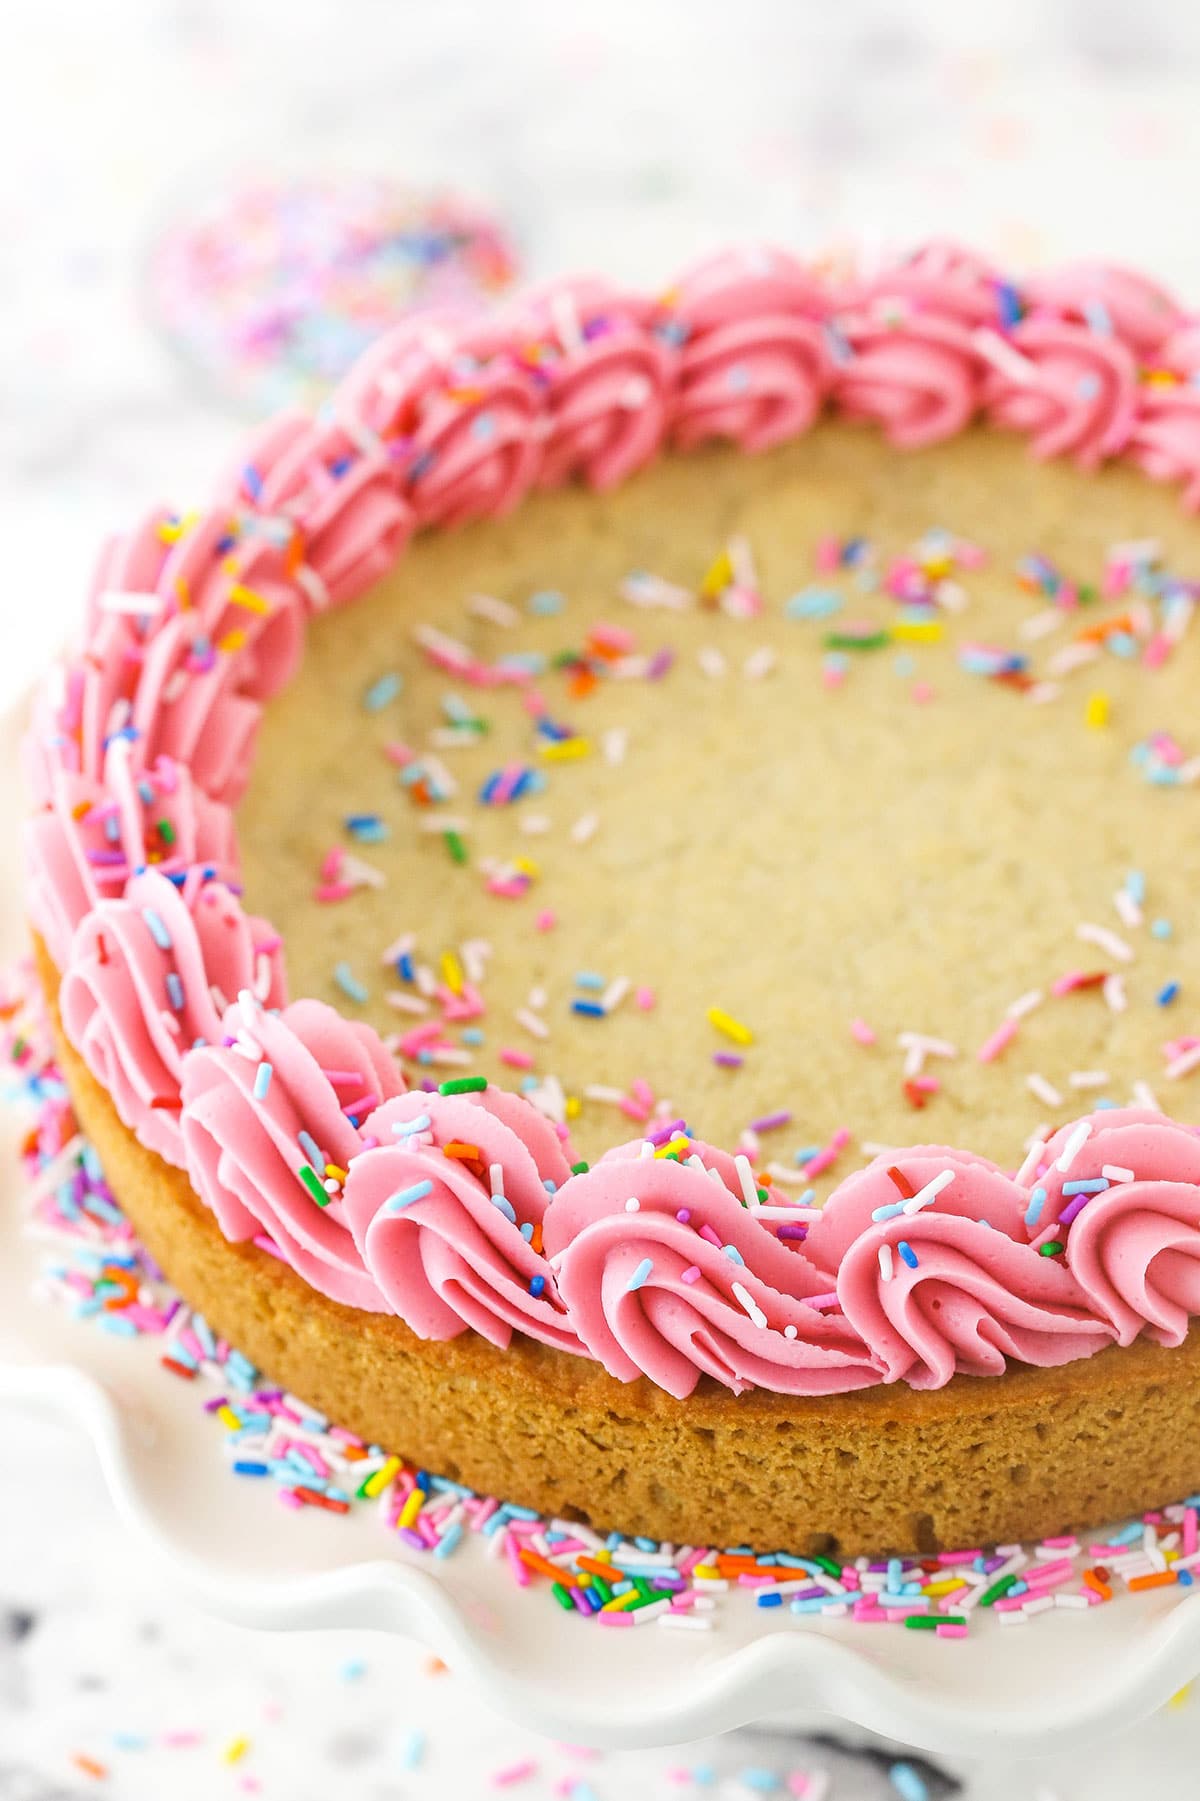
[736, 857]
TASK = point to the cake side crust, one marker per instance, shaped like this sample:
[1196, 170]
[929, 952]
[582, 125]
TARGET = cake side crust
[979, 1461]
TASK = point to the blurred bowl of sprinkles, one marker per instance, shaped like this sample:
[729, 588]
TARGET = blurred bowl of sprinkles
[270, 287]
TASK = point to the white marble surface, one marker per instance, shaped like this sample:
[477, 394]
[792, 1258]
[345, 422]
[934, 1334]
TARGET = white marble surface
[628, 138]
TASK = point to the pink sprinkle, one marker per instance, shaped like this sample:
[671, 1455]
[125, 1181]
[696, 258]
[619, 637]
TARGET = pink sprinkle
[923, 693]
[832, 676]
[331, 863]
[399, 755]
[828, 555]
[969, 555]
[947, 1629]
[615, 1619]
[546, 920]
[269, 1246]
[828, 1157]
[862, 1032]
[645, 998]
[333, 891]
[515, 1772]
[516, 1059]
[1157, 650]
[691, 1274]
[924, 1084]
[1189, 1531]
[1004, 1034]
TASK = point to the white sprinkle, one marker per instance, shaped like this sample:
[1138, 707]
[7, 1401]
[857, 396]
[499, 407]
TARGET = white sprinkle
[643, 590]
[1033, 1157]
[475, 953]
[1144, 1096]
[759, 663]
[496, 1177]
[633, 1205]
[450, 737]
[584, 828]
[746, 1178]
[363, 875]
[711, 661]
[424, 980]
[609, 1097]
[1043, 1090]
[1041, 625]
[533, 824]
[115, 600]
[1113, 990]
[1183, 1064]
[926, 1196]
[487, 606]
[1104, 940]
[750, 1304]
[1116, 1172]
[614, 744]
[1072, 657]
[932, 1047]
[537, 1028]
[1075, 1143]
[1128, 911]
[885, 1262]
[1037, 696]
[1189, 773]
[1088, 1078]
[400, 948]
[614, 994]
[1025, 1003]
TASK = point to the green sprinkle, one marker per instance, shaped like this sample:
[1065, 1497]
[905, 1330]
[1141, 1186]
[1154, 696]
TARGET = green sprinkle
[562, 1595]
[763, 1196]
[993, 1594]
[929, 1622]
[579, 1169]
[455, 845]
[463, 1085]
[856, 640]
[166, 831]
[828, 1565]
[312, 1182]
[602, 1588]
[1051, 1248]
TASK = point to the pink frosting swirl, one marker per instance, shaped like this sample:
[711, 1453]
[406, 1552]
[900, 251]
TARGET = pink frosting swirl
[1107, 298]
[148, 978]
[1165, 440]
[978, 1191]
[606, 381]
[754, 365]
[654, 1291]
[90, 837]
[336, 485]
[243, 1142]
[437, 1211]
[940, 279]
[459, 412]
[914, 374]
[954, 1288]
[1135, 1252]
[1076, 394]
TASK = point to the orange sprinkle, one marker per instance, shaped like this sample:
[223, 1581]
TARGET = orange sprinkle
[1160, 1579]
[581, 684]
[468, 1152]
[1104, 628]
[545, 1568]
[1094, 1582]
[89, 1766]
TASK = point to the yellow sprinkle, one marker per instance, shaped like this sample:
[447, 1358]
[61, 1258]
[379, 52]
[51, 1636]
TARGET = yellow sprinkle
[941, 1588]
[375, 1485]
[170, 531]
[1096, 712]
[937, 567]
[573, 1106]
[336, 1171]
[182, 592]
[411, 1507]
[229, 1419]
[1181, 1696]
[231, 641]
[235, 1752]
[619, 1603]
[718, 578]
[452, 972]
[732, 1028]
[678, 1143]
[567, 750]
[528, 867]
[246, 597]
[919, 631]
[707, 1572]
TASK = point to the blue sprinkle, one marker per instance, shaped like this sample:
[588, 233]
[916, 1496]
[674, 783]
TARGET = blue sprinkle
[908, 1782]
[247, 1466]
[1094, 1186]
[413, 1751]
[537, 1286]
[381, 692]
[312, 1150]
[640, 1275]
[770, 1600]
[405, 968]
[175, 991]
[504, 1206]
[764, 1781]
[473, 1035]
[1160, 928]
[157, 929]
[734, 1255]
[406, 1128]
[404, 1197]
[588, 1009]
[527, 1231]
[889, 1211]
[449, 1540]
[1166, 995]
[349, 983]
[587, 978]
[813, 603]
[483, 427]
[1033, 1212]
[907, 1253]
[546, 602]
[262, 1081]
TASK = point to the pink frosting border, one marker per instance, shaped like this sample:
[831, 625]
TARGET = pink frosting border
[461, 1212]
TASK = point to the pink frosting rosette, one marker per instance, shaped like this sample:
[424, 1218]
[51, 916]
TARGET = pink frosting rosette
[248, 1136]
[605, 378]
[443, 1209]
[977, 1190]
[219, 568]
[340, 486]
[91, 836]
[457, 409]
[147, 979]
[754, 360]
[1147, 1145]
[942, 279]
[687, 1281]
[1135, 1252]
[953, 1288]
[1070, 390]
[913, 373]
[1107, 298]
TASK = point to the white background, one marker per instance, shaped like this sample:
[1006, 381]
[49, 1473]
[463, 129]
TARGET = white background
[626, 137]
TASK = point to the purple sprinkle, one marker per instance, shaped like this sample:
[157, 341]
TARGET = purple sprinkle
[728, 1059]
[769, 1121]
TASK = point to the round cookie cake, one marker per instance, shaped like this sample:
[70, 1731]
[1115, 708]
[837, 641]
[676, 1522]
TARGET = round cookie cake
[800, 767]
